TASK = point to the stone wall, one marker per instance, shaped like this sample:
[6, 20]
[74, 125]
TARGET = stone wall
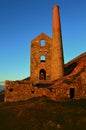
[57, 65]
[73, 87]
[57, 62]
[39, 51]
[19, 91]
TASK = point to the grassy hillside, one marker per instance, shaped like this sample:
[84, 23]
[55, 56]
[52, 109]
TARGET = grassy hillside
[43, 114]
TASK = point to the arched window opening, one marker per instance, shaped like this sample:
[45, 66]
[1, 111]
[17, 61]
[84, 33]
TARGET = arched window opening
[42, 74]
[42, 58]
[42, 42]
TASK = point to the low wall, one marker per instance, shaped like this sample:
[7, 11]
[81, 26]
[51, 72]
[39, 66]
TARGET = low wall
[18, 91]
[71, 87]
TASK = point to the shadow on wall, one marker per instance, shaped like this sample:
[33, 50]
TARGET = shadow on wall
[43, 85]
[70, 68]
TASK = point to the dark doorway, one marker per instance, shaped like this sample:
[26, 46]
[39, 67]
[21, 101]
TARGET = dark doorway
[42, 74]
[72, 93]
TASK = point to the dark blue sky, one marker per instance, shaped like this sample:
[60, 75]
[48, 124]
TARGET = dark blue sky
[23, 20]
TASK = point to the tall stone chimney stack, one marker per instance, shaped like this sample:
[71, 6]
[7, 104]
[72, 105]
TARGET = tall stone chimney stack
[57, 66]
[56, 19]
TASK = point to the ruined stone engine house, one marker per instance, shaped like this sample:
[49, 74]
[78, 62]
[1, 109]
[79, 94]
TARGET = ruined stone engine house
[47, 54]
[47, 66]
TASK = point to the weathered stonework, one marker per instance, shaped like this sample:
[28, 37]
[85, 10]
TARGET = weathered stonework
[57, 62]
[49, 76]
[71, 86]
[18, 91]
[37, 64]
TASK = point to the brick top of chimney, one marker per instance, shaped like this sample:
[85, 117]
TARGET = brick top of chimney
[56, 18]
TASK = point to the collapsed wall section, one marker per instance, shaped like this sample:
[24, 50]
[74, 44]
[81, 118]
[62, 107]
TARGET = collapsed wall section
[72, 87]
[19, 91]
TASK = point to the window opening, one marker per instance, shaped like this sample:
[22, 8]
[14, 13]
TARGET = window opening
[42, 42]
[42, 58]
[32, 91]
[42, 74]
[10, 89]
[72, 93]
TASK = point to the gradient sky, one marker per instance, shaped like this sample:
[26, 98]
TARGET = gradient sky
[23, 20]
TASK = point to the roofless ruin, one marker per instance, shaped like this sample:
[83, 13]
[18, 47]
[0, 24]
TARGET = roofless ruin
[47, 66]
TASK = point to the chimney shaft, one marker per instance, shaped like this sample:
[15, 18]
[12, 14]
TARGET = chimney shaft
[56, 19]
[57, 66]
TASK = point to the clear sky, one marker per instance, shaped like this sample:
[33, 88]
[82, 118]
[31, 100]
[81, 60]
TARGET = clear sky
[23, 20]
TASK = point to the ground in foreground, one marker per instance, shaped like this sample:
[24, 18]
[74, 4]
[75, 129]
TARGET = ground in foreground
[43, 114]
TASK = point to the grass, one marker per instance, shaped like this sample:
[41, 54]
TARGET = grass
[43, 114]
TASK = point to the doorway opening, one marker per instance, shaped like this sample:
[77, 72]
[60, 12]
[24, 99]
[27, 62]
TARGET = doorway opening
[72, 93]
[42, 74]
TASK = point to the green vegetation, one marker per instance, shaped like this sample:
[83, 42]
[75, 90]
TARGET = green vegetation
[43, 114]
